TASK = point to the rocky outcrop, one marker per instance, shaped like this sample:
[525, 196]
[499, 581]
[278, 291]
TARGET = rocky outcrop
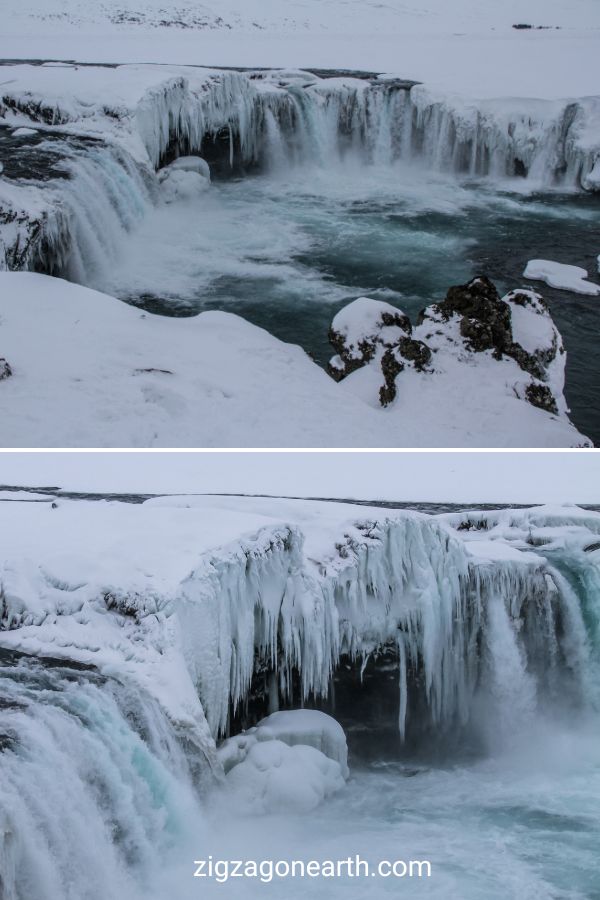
[362, 328]
[472, 321]
[5, 369]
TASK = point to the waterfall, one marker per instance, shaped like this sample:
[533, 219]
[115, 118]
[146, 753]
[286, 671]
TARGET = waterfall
[405, 583]
[95, 787]
[106, 195]
[273, 121]
[102, 767]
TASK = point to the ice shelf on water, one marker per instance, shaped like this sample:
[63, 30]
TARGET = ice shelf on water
[559, 275]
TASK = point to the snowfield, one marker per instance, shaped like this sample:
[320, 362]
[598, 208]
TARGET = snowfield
[88, 370]
[467, 46]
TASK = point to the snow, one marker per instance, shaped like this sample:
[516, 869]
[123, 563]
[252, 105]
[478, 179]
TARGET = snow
[437, 42]
[179, 184]
[277, 778]
[368, 321]
[310, 727]
[456, 477]
[191, 164]
[91, 371]
[292, 760]
[562, 276]
[177, 595]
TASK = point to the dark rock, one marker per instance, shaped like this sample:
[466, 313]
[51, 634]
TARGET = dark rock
[416, 352]
[485, 321]
[541, 396]
[355, 356]
[391, 366]
[5, 369]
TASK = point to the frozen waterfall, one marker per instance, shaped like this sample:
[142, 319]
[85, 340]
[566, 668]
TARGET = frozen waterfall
[111, 653]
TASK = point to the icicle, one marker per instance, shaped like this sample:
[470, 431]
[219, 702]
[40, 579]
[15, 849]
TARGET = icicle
[403, 689]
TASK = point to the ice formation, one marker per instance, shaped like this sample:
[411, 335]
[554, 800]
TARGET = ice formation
[307, 727]
[146, 626]
[292, 760]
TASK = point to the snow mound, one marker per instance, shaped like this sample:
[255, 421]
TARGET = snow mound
[360, 328]
[307, 727]
[184, 180]
[183, 186]
[277, 778]
[561, 276]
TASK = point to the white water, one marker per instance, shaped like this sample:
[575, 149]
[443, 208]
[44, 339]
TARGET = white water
[94, 785]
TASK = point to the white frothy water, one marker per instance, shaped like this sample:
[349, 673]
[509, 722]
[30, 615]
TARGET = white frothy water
[95, 790]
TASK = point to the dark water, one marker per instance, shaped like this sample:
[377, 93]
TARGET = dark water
[288, 253]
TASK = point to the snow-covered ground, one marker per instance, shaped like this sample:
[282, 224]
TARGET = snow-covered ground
[466, 45]
[88, 370]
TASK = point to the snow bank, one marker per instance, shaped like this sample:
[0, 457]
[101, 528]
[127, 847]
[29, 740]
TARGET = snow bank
[559, 275]
[88, 370]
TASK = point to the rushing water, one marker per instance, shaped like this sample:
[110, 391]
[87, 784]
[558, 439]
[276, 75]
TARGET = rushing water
[287, 250]
[523, 823]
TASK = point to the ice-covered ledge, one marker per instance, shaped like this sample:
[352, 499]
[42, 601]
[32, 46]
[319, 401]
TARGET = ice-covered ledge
[187, 596]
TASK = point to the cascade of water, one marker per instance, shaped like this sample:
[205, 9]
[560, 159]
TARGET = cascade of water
[94, 787]
[106, 196]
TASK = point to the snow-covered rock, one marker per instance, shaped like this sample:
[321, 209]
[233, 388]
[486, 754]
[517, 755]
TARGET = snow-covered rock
[277, 778]
[562, 276]
[190, 164]
[360, 328]
[185, 179]
[473, 334]
[308, 727]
